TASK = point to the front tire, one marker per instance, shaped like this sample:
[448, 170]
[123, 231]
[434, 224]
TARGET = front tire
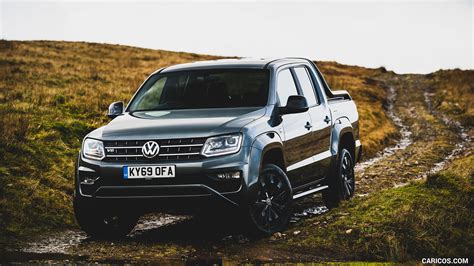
[100, 222]
[270, 210]
[341, 182]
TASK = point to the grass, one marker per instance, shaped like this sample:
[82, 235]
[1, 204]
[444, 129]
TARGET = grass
[422, 219]
[53, 93]
[454, 94]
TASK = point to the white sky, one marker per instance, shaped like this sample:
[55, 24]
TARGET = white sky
[403, 36]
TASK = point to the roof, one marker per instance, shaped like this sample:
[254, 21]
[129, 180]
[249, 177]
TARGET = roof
[257, 63]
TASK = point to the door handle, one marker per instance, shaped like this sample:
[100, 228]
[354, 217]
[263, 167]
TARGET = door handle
[327, 120]
[308, 125]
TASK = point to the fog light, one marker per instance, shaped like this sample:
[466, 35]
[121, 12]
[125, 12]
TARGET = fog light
[89, 180]
[229, 175]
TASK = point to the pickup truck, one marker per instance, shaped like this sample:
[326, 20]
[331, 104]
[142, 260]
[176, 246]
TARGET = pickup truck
[245, 135]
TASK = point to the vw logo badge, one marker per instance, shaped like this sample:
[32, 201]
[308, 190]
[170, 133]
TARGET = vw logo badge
[150, 149]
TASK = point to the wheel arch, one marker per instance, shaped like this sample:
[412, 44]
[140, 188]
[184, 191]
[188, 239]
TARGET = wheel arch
[266, 148]
[342, 136]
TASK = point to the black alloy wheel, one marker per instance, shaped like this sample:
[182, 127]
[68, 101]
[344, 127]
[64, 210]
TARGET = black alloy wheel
[271, 210]
[341, 181]
[347, 175]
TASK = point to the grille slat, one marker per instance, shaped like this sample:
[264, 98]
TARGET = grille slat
[170, 150]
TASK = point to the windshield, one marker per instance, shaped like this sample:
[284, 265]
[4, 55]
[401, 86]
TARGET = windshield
[222, 88]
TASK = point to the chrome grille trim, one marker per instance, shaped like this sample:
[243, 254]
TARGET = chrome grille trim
[170, 150]
[125, 147]
[125, 155]
[179, 154]
[181, 145]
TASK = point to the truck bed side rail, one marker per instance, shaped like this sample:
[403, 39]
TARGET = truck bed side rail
[340, 95]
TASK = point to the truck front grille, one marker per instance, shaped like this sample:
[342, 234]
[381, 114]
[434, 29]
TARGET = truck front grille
[170, 149]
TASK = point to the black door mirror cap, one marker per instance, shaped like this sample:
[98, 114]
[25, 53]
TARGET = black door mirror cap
[115, 109]
[295, 104]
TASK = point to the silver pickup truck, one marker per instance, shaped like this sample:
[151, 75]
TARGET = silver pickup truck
[249, 136]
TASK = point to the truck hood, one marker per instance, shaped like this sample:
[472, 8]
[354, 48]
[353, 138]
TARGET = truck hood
[191, 123]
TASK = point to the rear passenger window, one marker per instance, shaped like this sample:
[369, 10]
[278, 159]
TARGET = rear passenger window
[285, 86]
[306, 85]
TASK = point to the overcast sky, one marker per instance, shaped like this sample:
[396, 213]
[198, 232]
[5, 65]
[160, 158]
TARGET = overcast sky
[405, 36]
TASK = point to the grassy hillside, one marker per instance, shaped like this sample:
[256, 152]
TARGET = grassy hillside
[53, 93]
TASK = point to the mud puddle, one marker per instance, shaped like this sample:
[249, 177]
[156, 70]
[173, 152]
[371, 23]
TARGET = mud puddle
[57, 242]
[61, 242]
[309, 212]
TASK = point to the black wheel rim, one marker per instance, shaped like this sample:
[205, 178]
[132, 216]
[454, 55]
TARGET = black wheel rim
[270, 210]
[347, 175]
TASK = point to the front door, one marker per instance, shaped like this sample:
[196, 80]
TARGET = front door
[321, 122]
[296, 132]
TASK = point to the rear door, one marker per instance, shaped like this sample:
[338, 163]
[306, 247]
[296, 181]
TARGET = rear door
[297, 134]
[321, 121]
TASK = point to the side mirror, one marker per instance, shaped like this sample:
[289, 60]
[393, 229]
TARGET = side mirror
[115, 109]
[295, 104]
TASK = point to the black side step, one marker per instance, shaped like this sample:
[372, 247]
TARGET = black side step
[309, 192]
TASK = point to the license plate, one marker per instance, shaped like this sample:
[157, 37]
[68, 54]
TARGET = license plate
[149, 171]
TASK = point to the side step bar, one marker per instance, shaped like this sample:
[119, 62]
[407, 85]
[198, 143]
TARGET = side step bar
[311, 191]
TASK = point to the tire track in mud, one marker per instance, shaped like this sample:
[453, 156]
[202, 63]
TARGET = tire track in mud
[401, 144]
[416, 154]
[463, 133]
[425, 141]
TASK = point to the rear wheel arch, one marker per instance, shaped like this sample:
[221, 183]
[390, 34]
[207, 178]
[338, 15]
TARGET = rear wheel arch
[342, 144]
[342, 136]
[347, 141]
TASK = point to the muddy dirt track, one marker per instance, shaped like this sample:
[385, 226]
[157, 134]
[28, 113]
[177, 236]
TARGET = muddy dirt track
[427, 141]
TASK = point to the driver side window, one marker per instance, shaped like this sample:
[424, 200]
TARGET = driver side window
[285, 86]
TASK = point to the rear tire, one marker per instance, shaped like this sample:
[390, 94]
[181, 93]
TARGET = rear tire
[341, 181]
[270, 210]
[100, 222]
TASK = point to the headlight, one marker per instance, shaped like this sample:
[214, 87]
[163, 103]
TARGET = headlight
[222, 145]
[93, 149]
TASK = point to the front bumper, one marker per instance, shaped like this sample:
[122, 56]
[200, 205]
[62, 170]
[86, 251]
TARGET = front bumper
[195, 182]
